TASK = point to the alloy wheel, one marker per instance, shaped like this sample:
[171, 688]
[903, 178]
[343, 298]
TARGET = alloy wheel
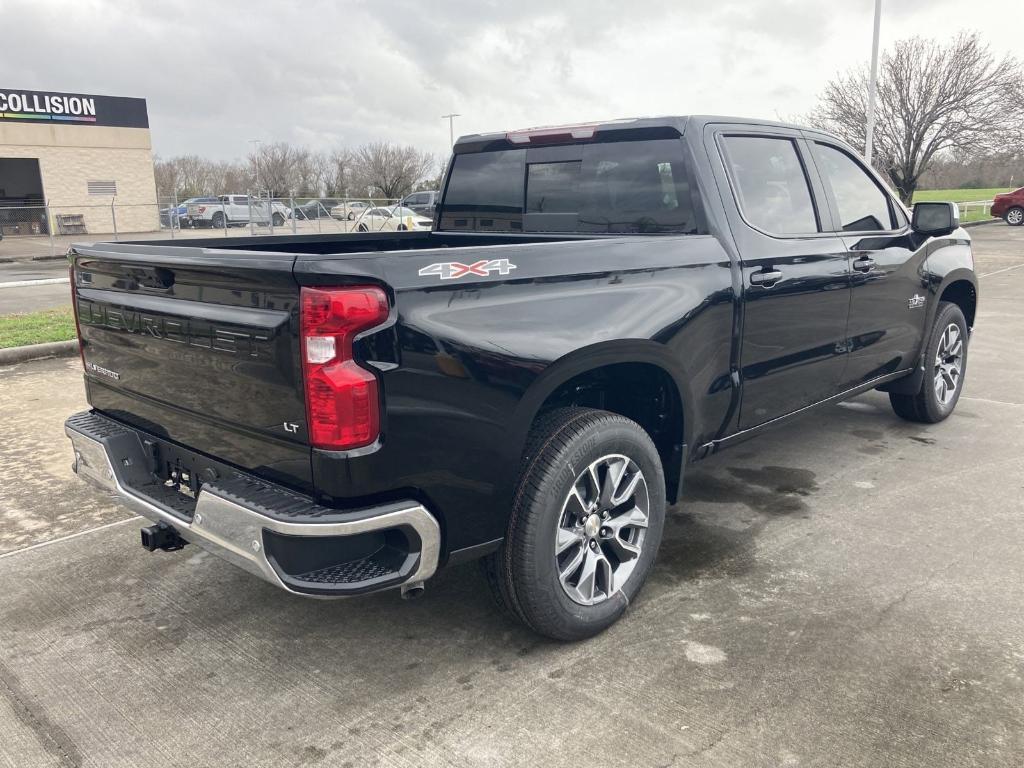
[1015, 216]
[949, 362]
[601, 529]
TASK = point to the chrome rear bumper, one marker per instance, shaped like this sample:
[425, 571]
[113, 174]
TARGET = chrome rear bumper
[236, 519]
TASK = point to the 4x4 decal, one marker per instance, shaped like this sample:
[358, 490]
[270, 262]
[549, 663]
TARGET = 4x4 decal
[452, 270]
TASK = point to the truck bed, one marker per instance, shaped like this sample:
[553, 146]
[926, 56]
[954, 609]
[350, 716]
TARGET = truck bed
[356, 242]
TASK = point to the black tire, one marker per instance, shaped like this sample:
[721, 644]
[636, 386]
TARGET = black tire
[218, 221]
[1015, 216]
[351, 215]
[523, 573]
[363, 228]
[277, 219]
[925, 406]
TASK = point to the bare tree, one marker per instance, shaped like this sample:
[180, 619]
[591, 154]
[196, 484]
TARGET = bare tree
[284, 170]
[276, 166]
[184, 176]
[389, 170]
[932, 99]
[335, 172]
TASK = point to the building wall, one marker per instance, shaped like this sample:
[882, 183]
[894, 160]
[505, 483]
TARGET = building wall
[72, 155]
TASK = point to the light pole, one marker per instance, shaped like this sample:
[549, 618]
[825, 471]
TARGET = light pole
[451, 126]
[256, 156]
[873, 83]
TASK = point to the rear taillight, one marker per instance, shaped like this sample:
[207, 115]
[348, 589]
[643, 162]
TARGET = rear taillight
[202, 209]
[74, 308]
[342, 399]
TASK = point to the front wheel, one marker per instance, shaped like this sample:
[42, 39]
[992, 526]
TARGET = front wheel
[945, 360]
[586, 523]
[1015, 216]
[278, 220]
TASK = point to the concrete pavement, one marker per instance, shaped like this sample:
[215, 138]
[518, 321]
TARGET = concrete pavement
[843, 591]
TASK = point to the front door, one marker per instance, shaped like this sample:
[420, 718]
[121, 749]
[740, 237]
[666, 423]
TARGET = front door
[796, 277]
[887, 308]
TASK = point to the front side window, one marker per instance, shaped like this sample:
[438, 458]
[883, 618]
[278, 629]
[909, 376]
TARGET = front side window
[863, 206]
[621, 187]
[770, 184]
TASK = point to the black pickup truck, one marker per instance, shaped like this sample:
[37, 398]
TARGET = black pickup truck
[597, 307]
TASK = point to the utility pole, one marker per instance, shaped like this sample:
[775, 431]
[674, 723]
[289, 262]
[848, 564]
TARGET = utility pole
[257, 143]
[451, 126]
[873, 84]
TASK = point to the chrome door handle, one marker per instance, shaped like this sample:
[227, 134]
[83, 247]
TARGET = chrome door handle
[864, 264]
[766, 278]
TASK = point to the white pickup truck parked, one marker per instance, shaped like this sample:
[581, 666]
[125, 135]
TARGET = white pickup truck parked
[237, 210]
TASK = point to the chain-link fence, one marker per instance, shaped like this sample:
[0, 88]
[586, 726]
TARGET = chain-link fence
[32, 229]
[235, 214]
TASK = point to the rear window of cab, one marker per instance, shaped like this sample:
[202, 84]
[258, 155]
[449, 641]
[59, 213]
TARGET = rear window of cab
[625, 187]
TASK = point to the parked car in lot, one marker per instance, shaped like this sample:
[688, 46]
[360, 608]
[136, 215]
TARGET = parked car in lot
[1010, 206]
[237, 210]
[315, 209]
[180, 212]
[391, 219]
[281, 211]
[423, 203]
[600, 307]
[349, 210]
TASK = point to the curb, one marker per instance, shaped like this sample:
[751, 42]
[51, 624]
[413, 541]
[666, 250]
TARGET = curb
[980, 223]
[38, 351]
[37, 281]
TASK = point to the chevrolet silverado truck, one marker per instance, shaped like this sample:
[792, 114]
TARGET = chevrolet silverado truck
[598, 307]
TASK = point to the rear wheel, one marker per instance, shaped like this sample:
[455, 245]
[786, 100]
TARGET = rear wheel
[586, 524]
[278, 220]
[945, 360]
[218, 221]
[1015, 216]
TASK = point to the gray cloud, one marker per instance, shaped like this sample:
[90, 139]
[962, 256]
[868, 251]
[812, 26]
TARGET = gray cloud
[322, 73]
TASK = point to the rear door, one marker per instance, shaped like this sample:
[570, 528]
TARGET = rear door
[796, 278]
[888, 280]
[200, 347]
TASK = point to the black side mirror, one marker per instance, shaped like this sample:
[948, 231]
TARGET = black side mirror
[935, 219]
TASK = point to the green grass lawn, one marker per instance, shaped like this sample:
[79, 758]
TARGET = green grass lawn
[956, 195]
[37, 327]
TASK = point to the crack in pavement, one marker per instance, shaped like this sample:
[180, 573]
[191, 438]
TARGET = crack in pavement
[51, 736]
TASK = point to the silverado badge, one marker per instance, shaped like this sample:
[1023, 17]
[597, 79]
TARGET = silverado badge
[915, 301]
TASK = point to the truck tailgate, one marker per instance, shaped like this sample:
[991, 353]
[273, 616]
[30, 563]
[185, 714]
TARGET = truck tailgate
[199, 347]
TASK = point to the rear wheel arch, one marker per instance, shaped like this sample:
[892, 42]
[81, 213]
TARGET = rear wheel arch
[636, 380]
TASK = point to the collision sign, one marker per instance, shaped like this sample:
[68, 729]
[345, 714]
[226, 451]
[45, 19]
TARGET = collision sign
[50, 106]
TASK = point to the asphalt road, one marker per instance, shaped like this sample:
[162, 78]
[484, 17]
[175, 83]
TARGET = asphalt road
[844, 591]
[22, 298]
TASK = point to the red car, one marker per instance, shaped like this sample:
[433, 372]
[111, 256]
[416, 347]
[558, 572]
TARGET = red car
[1010, 206]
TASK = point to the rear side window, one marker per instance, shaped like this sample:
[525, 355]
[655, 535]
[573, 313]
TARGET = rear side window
[863, 206]
[770, 184]
[620, 187]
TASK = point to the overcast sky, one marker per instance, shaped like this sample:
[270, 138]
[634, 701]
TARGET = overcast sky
[324, 74]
